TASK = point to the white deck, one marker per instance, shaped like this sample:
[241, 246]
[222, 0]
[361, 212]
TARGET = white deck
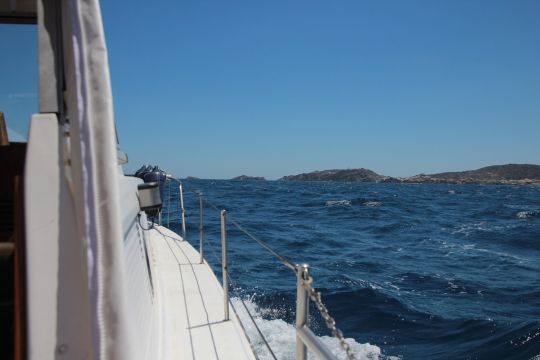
[191, 302]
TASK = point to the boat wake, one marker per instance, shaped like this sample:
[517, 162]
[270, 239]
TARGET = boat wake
[281, 336]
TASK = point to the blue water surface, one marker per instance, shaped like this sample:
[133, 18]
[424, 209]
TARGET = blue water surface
[420, 270]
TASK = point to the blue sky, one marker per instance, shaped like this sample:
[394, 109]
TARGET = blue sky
[216, 89]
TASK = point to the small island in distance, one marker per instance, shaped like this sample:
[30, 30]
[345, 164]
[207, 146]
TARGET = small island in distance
[246, 177]
[513, 174]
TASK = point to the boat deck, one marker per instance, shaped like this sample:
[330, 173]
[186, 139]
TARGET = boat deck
[191, 299]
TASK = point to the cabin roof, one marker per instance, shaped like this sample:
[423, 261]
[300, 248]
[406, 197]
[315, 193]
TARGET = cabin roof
[18, 11]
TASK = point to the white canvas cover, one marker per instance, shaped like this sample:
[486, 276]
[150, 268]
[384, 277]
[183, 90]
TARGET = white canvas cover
[95, 174]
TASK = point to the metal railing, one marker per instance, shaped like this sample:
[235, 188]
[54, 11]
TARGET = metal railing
[201, 227]
[305, 338]
[224, 263]
[182, 210]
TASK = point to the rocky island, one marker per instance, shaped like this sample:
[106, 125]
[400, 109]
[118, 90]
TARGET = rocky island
[496, 174]
[363, 175]
[246, 177]
[513, 174]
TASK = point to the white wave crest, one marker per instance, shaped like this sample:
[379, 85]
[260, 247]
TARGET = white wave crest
[527, 214]
[281, 336]
[373, 203]
[338, 203]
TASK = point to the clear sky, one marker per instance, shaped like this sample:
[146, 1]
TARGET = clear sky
[216, 89]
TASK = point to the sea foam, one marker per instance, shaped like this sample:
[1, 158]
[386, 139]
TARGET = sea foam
[338, 203]
[281, 336]
[527, 214]
[373, 203]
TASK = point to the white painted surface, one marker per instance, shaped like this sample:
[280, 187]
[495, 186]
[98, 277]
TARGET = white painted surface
[190, 303]
[142, 308]
[57, 296]
[42, 233]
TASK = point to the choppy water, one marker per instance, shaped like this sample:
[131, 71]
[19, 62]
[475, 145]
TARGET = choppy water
[411, 271]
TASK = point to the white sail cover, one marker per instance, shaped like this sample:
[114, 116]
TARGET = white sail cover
[95, 175]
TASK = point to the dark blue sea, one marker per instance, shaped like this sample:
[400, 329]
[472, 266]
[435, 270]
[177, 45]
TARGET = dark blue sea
[408, 271]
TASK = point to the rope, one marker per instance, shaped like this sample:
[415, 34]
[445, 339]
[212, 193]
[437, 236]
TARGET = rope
[151, 225]
[162, 234]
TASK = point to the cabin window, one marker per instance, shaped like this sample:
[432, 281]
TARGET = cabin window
[18, 78]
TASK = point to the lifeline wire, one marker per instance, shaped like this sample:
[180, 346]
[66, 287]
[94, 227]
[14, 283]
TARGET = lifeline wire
[280, 257]
[314, 295]
[233, 283]
[236, 287]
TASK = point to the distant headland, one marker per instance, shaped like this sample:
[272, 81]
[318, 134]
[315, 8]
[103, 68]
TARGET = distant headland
[513, 174]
